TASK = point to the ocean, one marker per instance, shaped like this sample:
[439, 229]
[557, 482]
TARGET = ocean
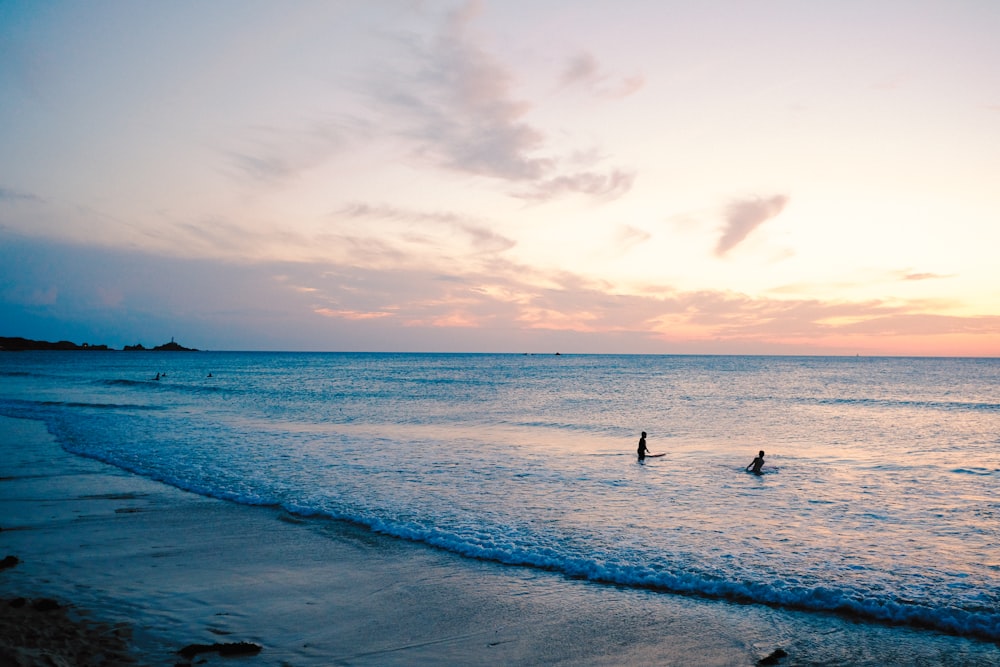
[879, 499]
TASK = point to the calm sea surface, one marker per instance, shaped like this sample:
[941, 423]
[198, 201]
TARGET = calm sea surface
[880, 498]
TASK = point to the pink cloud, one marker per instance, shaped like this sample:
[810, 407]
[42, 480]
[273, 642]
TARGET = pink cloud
[584, 70]
[924, 276]
[498, 305]
[601, 186]
[742, 217]
[350, 314]
[513, 301]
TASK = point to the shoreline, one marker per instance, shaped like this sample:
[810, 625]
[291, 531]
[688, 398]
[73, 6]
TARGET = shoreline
[168, 568]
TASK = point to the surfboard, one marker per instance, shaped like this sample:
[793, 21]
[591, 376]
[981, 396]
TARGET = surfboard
[653, 456]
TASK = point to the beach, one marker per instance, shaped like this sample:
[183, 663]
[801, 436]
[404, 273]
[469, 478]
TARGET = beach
[156, 569]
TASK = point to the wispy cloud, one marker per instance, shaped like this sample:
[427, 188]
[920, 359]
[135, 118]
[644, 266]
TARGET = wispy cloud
[351, 314]
[584, 70]
[274, 155]
[460, 112]
[221, 237]
[17, 196]
[264, 167]
[916, 276]
[629, 236]
[742, 217]
[479, 236]
[606, 186]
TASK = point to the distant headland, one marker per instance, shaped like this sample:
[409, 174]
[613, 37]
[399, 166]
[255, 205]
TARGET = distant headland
[24, 345]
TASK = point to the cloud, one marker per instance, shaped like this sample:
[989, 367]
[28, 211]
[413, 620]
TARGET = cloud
[600, 186]
[517, 299]
[261, 167]
[16, 196]
[742, 217]
[351, 314]
[358, 233]
[274, 155]
[41, 295]
[221, 237]
[583, 70]
[62, 291]
[478, 235]
[925, 276]
[486, 240]
[459, 111]
[629, 236]
[465, 115]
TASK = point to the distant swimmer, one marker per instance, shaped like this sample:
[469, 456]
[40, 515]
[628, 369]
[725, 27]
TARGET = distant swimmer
[757, 464]
[157, 377]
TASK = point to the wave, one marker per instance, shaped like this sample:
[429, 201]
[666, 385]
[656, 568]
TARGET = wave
[125, 383]
[101, 406]
[977, 471]
[33, 409]
[970, 406]
[164, 384]
[668, 577]
[672, 578]
[613, 430]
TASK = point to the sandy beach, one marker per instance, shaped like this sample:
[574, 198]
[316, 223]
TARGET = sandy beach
[141, 570]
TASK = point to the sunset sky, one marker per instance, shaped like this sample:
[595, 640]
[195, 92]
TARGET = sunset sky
[776, 177]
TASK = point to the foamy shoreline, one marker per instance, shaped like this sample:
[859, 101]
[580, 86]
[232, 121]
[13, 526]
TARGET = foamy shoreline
[181, 569]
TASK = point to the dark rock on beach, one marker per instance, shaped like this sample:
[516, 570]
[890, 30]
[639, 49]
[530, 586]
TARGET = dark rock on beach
[230, 649]
[773, 659]
[45, 604]
[45, 632]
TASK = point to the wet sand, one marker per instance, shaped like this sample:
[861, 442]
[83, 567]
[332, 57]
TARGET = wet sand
[145, 567]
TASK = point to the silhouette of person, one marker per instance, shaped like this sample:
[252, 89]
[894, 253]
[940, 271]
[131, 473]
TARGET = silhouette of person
[157, 377]
[757, 464]
[642, 447]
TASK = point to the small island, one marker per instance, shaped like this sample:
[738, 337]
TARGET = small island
[166, 347]
[26, 345]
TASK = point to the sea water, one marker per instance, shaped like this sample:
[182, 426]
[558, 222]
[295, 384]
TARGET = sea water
[879, 498]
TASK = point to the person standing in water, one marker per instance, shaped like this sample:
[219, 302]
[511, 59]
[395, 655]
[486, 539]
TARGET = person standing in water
[642, 447]
[757, 464]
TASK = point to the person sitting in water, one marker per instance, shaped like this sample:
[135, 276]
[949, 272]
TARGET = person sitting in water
[757, 464]
[642, 447]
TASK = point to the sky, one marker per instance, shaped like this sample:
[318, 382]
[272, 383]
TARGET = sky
[716, 177]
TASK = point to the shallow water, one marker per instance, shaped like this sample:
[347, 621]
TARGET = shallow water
[879, 498]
